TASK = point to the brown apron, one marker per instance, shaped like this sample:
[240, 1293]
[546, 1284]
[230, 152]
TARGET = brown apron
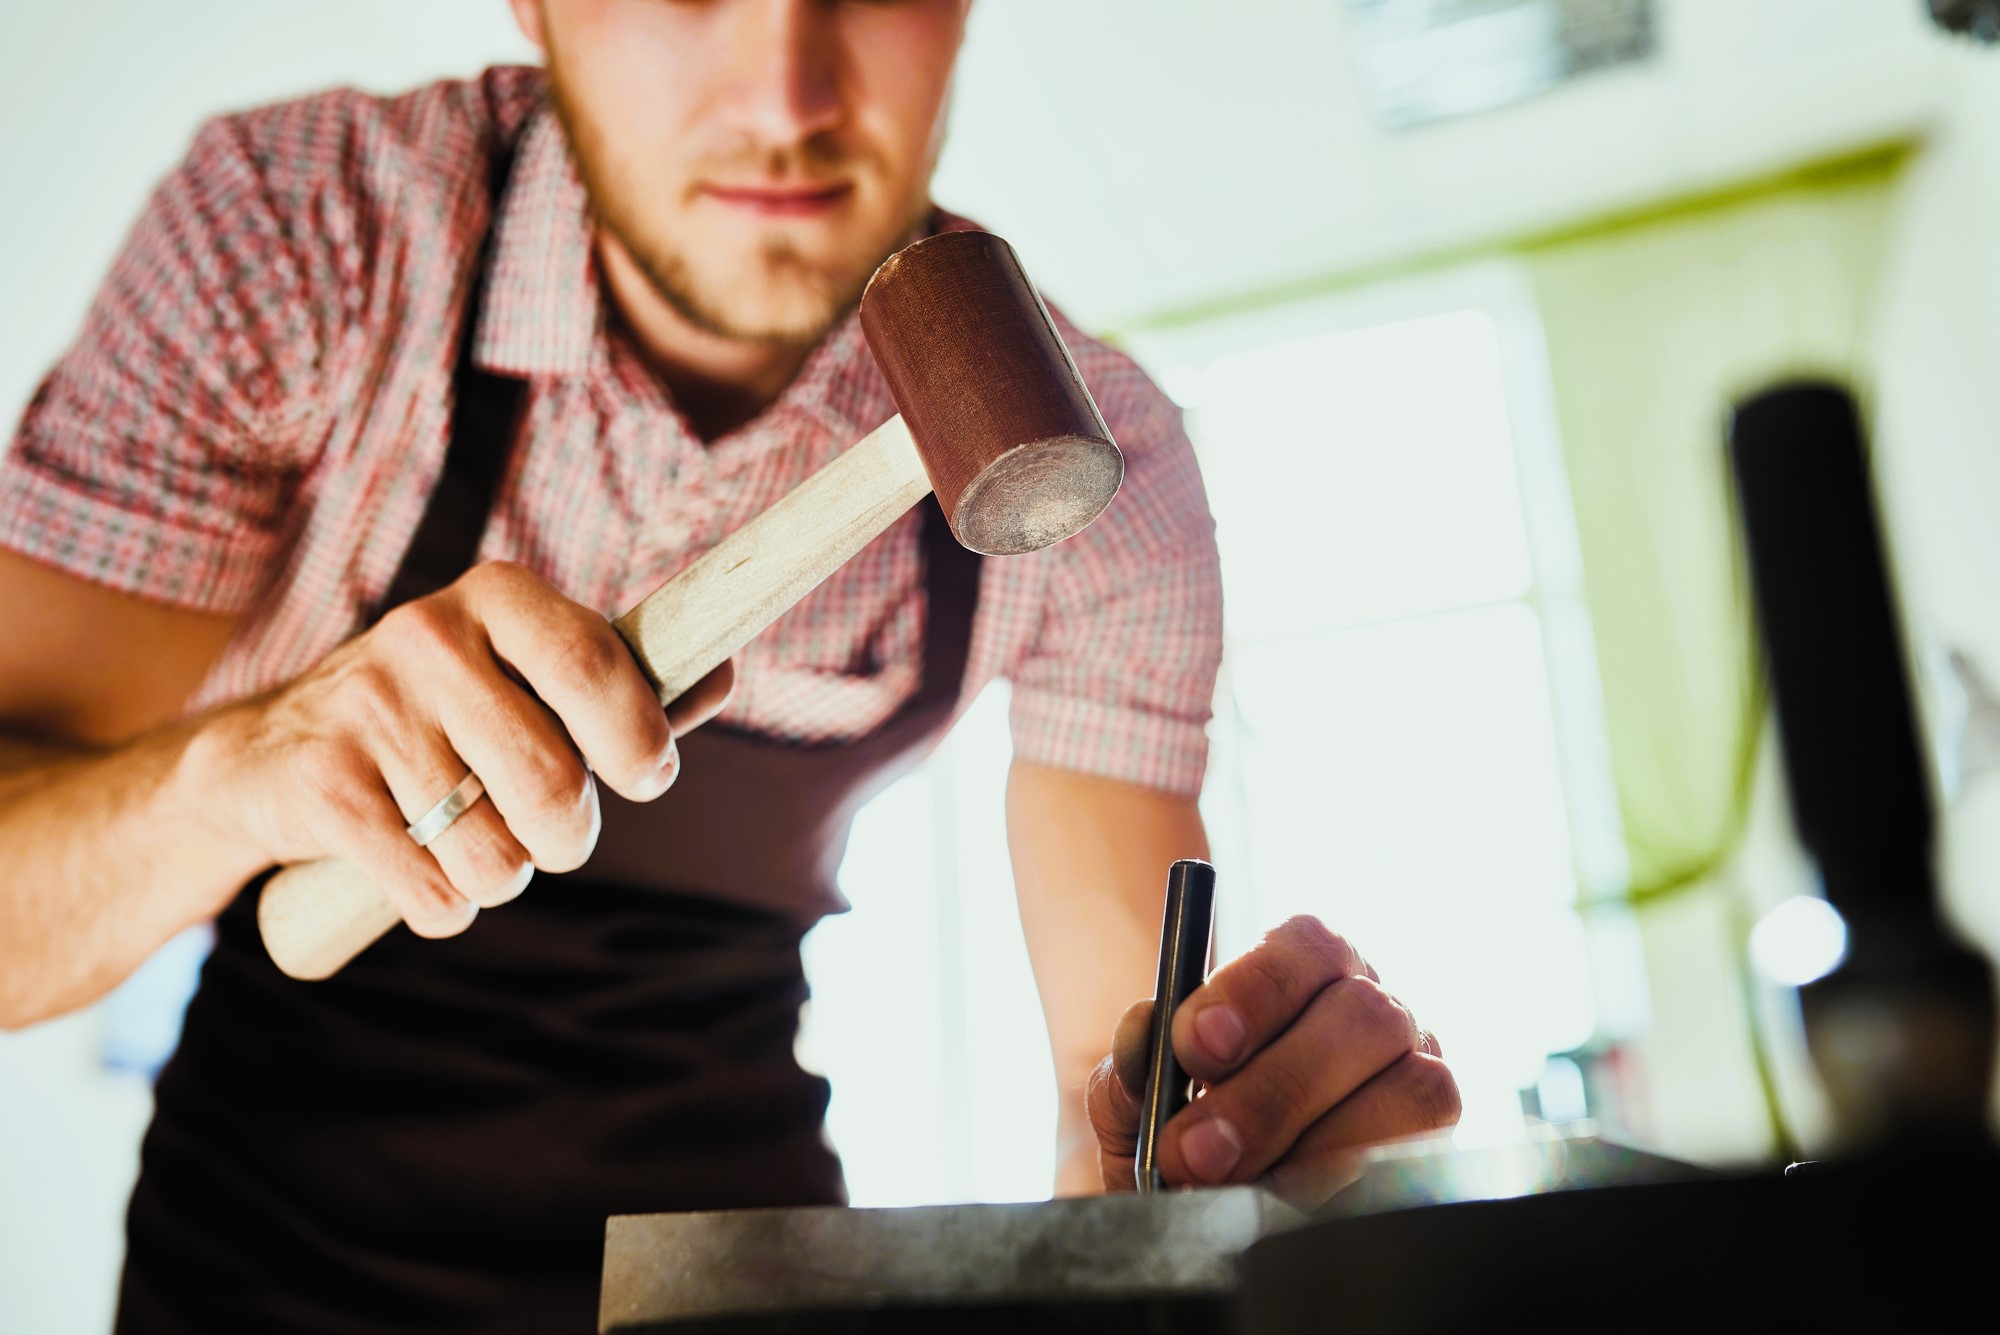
[432, 1139]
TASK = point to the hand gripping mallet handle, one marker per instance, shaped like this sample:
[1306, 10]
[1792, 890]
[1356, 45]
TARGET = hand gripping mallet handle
[993, 417]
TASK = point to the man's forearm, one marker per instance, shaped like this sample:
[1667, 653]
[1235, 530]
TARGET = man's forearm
[1090, 861]
[104, 855]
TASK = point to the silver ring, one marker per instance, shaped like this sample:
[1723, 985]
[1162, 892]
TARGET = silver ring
[455, 804]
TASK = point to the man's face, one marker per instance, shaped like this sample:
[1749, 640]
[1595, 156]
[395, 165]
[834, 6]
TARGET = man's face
[757, 158]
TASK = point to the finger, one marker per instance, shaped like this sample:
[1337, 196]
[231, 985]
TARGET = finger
[477, 852]
[534, 778]
[1241, 1126]
[354, 817]
[1129, 1049]
[1416, 1095]
[703, 700]
[1114, 1119]
[484, 860]
[1252, 999]
[1111, 1098]
[572, 658]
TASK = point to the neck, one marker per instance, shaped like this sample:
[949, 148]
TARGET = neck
[719, 383]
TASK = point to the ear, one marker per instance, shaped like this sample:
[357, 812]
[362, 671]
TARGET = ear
[528, 18]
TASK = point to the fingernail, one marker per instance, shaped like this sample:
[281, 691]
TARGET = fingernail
[1212, 1149]
[1221, 1032]
[662, 779]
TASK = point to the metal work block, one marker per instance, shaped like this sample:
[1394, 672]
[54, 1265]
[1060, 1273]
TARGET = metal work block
[1165, 1261]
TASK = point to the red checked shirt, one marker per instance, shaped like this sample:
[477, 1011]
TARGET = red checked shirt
[257, 407]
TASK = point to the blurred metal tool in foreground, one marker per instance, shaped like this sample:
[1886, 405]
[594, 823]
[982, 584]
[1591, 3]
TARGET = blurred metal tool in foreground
[1979, 19]
[1902, 1032]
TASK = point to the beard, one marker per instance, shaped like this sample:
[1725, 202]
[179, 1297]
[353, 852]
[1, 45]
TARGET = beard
[815, 300]
[776, 295]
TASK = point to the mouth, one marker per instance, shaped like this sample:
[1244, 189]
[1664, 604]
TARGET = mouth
[780, 201]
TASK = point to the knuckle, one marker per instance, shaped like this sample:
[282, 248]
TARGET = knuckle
[555, 783]
[1277, 976]
[422, 627]
[333, 776]
[488, 866]
[1386, 1018]
[588, 659]
[1432, 1093]
[1102, 1105]
[564, 834]
[495, 577]
[370, 699]
[1295, 961]
[430, 904]
[1280, 1095]
[1319, 943]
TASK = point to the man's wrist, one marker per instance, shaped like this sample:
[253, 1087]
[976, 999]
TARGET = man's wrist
[202, 794]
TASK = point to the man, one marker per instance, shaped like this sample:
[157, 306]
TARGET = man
[385, 404]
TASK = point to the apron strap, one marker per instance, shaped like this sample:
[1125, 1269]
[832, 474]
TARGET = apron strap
[485, 424]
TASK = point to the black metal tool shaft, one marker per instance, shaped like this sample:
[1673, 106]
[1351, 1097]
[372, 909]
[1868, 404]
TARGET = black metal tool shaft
[1184, 940]
[1903, 1030]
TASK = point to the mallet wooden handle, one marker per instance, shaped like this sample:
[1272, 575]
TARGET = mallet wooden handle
[316, 916]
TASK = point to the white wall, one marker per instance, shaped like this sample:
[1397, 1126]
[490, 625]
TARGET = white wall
[1142, 153]
[102, 97]
[1147, 153]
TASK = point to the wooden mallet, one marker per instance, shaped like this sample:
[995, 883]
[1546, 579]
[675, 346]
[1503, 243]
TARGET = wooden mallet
[994, 418]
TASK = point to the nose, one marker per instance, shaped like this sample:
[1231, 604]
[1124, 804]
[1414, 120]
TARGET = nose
[787, 71]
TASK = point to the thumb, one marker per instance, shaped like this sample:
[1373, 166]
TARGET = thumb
[1111, 1098]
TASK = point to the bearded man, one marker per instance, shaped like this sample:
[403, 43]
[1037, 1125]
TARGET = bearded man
[385, 404]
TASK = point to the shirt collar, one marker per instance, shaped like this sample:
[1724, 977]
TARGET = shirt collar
[542, 311]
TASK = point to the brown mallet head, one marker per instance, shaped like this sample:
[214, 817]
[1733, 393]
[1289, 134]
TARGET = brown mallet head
[1013, 442]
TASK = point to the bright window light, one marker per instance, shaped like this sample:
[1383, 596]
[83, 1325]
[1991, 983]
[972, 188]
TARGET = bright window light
[1802, 939]
[1359, 477]
[1400, 783]
[873, 1025]
[924, 1013]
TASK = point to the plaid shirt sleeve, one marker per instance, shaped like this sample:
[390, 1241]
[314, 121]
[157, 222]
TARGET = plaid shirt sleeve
[152, 458]
[1119, 680]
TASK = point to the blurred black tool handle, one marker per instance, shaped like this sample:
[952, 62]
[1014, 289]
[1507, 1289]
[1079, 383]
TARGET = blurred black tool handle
[1821, 584]
[1902, 1032]
[1185, 930]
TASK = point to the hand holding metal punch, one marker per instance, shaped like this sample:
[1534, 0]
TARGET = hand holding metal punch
[1302, 1058]
[1185, 933]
